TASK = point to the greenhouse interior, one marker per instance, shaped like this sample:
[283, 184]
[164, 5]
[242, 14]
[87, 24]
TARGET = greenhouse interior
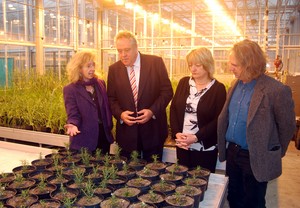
[39, 37]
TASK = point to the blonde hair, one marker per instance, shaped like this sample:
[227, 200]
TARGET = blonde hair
[250, 57]
[76, 63]
[128, 35]
[202, 56]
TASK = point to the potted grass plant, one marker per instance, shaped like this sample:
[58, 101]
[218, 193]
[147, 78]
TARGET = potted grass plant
[89, 198]
[24, 199]
[179, 200]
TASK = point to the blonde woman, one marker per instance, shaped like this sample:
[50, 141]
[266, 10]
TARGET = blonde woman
[89, 120]
[194, 112]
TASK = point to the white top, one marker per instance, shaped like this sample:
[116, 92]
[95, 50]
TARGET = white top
[190, 124]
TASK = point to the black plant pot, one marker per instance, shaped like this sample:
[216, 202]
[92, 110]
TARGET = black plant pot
[22, 185]
[182, 201]
[37, 175]
[24, 170]
[191, 191]
[153, 197]
[5, 178]
[140, 183]
[129, 193]
[41, 164]
[43, 193]
[19, 201]
[7, 193]
[46, 203]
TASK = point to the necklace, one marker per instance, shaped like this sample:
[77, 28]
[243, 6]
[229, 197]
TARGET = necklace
[90, 89]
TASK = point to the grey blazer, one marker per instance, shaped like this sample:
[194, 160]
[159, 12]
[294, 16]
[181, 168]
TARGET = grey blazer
[270, 127]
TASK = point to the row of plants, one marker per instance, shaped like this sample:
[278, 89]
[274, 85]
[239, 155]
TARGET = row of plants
[33, 102]
[69, 178]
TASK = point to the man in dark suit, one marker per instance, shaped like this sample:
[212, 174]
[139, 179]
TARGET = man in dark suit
[254, 128]
[139, 91]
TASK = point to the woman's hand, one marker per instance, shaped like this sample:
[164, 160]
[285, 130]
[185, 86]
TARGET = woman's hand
[184, 141]
[72, 130]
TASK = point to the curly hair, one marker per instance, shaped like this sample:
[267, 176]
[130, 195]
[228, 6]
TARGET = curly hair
[76, 63]
[250, 57]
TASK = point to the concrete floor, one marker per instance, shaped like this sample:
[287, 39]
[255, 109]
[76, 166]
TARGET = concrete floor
[284, 192]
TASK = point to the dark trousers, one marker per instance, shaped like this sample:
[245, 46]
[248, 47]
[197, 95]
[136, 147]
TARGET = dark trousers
[103, 144]
[192, 159]
[244, 191]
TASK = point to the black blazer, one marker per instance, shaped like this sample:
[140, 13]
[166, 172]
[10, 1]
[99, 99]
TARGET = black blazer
[155, 92]
[208, 110]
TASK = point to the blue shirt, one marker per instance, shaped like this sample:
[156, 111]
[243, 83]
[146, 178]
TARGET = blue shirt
[238, 113]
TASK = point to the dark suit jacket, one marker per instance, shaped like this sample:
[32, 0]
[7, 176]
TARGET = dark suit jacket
[155, 92]
[270, 127]
[208, 110]
[82, 112]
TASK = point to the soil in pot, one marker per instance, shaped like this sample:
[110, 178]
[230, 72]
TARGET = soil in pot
[73, 171]
[117, 182]
[22, 200]
[142, 205]
[37, 175]
[89, 201]
[21, 183]
[41, 163]
[164, 186]
[147, 173]
[58, 180]
[118, 161]
[200, 183]
[70, 160]
[95, 175]
[199, 172]
[172, 177]
[158, 166]
[129, 193]
[46, 203]
[138, 164]
[140, 183]
[191, 191]
[114, 202]
[104, 191]
[78, 185]
[5, 178]
[127, 172]
[64, 193]
[177, 169]
[24, 170]
[153, 197]
[42, 190]
[6, 193]
[178, 200]
[66, 151]
[55, 168]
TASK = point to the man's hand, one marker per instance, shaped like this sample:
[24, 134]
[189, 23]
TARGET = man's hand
[128, 117]
[144, 116]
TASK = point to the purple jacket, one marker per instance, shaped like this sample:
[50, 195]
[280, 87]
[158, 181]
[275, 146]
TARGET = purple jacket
[82, 112]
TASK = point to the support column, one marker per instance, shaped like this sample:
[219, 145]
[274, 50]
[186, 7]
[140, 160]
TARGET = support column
[39, 37]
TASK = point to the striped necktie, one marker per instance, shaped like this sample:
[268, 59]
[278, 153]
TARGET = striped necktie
[133, 85]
